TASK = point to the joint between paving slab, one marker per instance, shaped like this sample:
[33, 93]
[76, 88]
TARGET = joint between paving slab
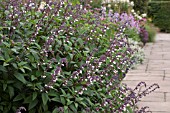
[164, 75]
[164, 96]
[146, 67]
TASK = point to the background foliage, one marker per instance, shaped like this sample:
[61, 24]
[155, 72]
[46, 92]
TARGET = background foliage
[140, 6]
[160, 13]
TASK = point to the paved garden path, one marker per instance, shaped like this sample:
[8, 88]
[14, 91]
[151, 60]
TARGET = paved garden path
[155, 69]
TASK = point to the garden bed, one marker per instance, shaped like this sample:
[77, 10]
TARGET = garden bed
[62, 57]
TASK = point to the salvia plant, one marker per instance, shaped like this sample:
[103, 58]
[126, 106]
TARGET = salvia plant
[61, 57]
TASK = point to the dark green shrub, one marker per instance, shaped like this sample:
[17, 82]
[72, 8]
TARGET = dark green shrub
[160, 13]
[140, 5]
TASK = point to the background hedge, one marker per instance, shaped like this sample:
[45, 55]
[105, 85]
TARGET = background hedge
[159, 11]
[140, 6]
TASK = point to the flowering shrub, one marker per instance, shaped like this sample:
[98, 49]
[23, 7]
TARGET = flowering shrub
[119, 6]
[62, 58]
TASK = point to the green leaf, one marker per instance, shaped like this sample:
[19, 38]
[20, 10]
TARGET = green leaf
[11, 91]
[33, 78]
[55, 110]
[35, 54]
[69, 102]
[44, 98]
[1, 108]
[28, 68]
[73, 108]
[63, 101]
[18, 97]
[90, 103]
[34, 65]
[80, 41]
[66, 47]
[5, 64]
[4, 87]
[38, 46]
[1, 58]
[56, 99]
[20, 77]
[65, 109]
[38, 73]
[79, 99]
[71, 56]
[28, 99]
[22, 69]
[34, 95]
[129, 109]
[2, 68]
[7, 44]
[22, 63]
[64, 93]
[15, 65]
[32, 104]
[8, 60]
[14, 50]
[82, 103]
[76, 104]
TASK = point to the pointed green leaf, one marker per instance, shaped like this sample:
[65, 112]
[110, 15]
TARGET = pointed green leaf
[69, 102]
[18, 97]
[32, 104]
[2, 68]
[20, 77]
[15, 65]
[56, 99]
[22, 63]
[55, 110]
[11, 91]
[76, 105]
[1, 58]
[28, 68]
[22, 69]
[63, 92]
[5, 64]
[28, 99]
[4, 87]
[33, 77]
[44, 98]
[63, 101]
[65, 109]
[34, 96]
[73, 108]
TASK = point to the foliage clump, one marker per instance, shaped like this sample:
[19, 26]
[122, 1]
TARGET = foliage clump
[160, 14]
[62, 57]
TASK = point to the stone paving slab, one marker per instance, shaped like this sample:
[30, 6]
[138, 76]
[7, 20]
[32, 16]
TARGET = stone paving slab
[167, 97]
[154, 97]
[155, 69]
[162, 83]
[148, 74]
[157, 106]
[143, 78]
[160, 112]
